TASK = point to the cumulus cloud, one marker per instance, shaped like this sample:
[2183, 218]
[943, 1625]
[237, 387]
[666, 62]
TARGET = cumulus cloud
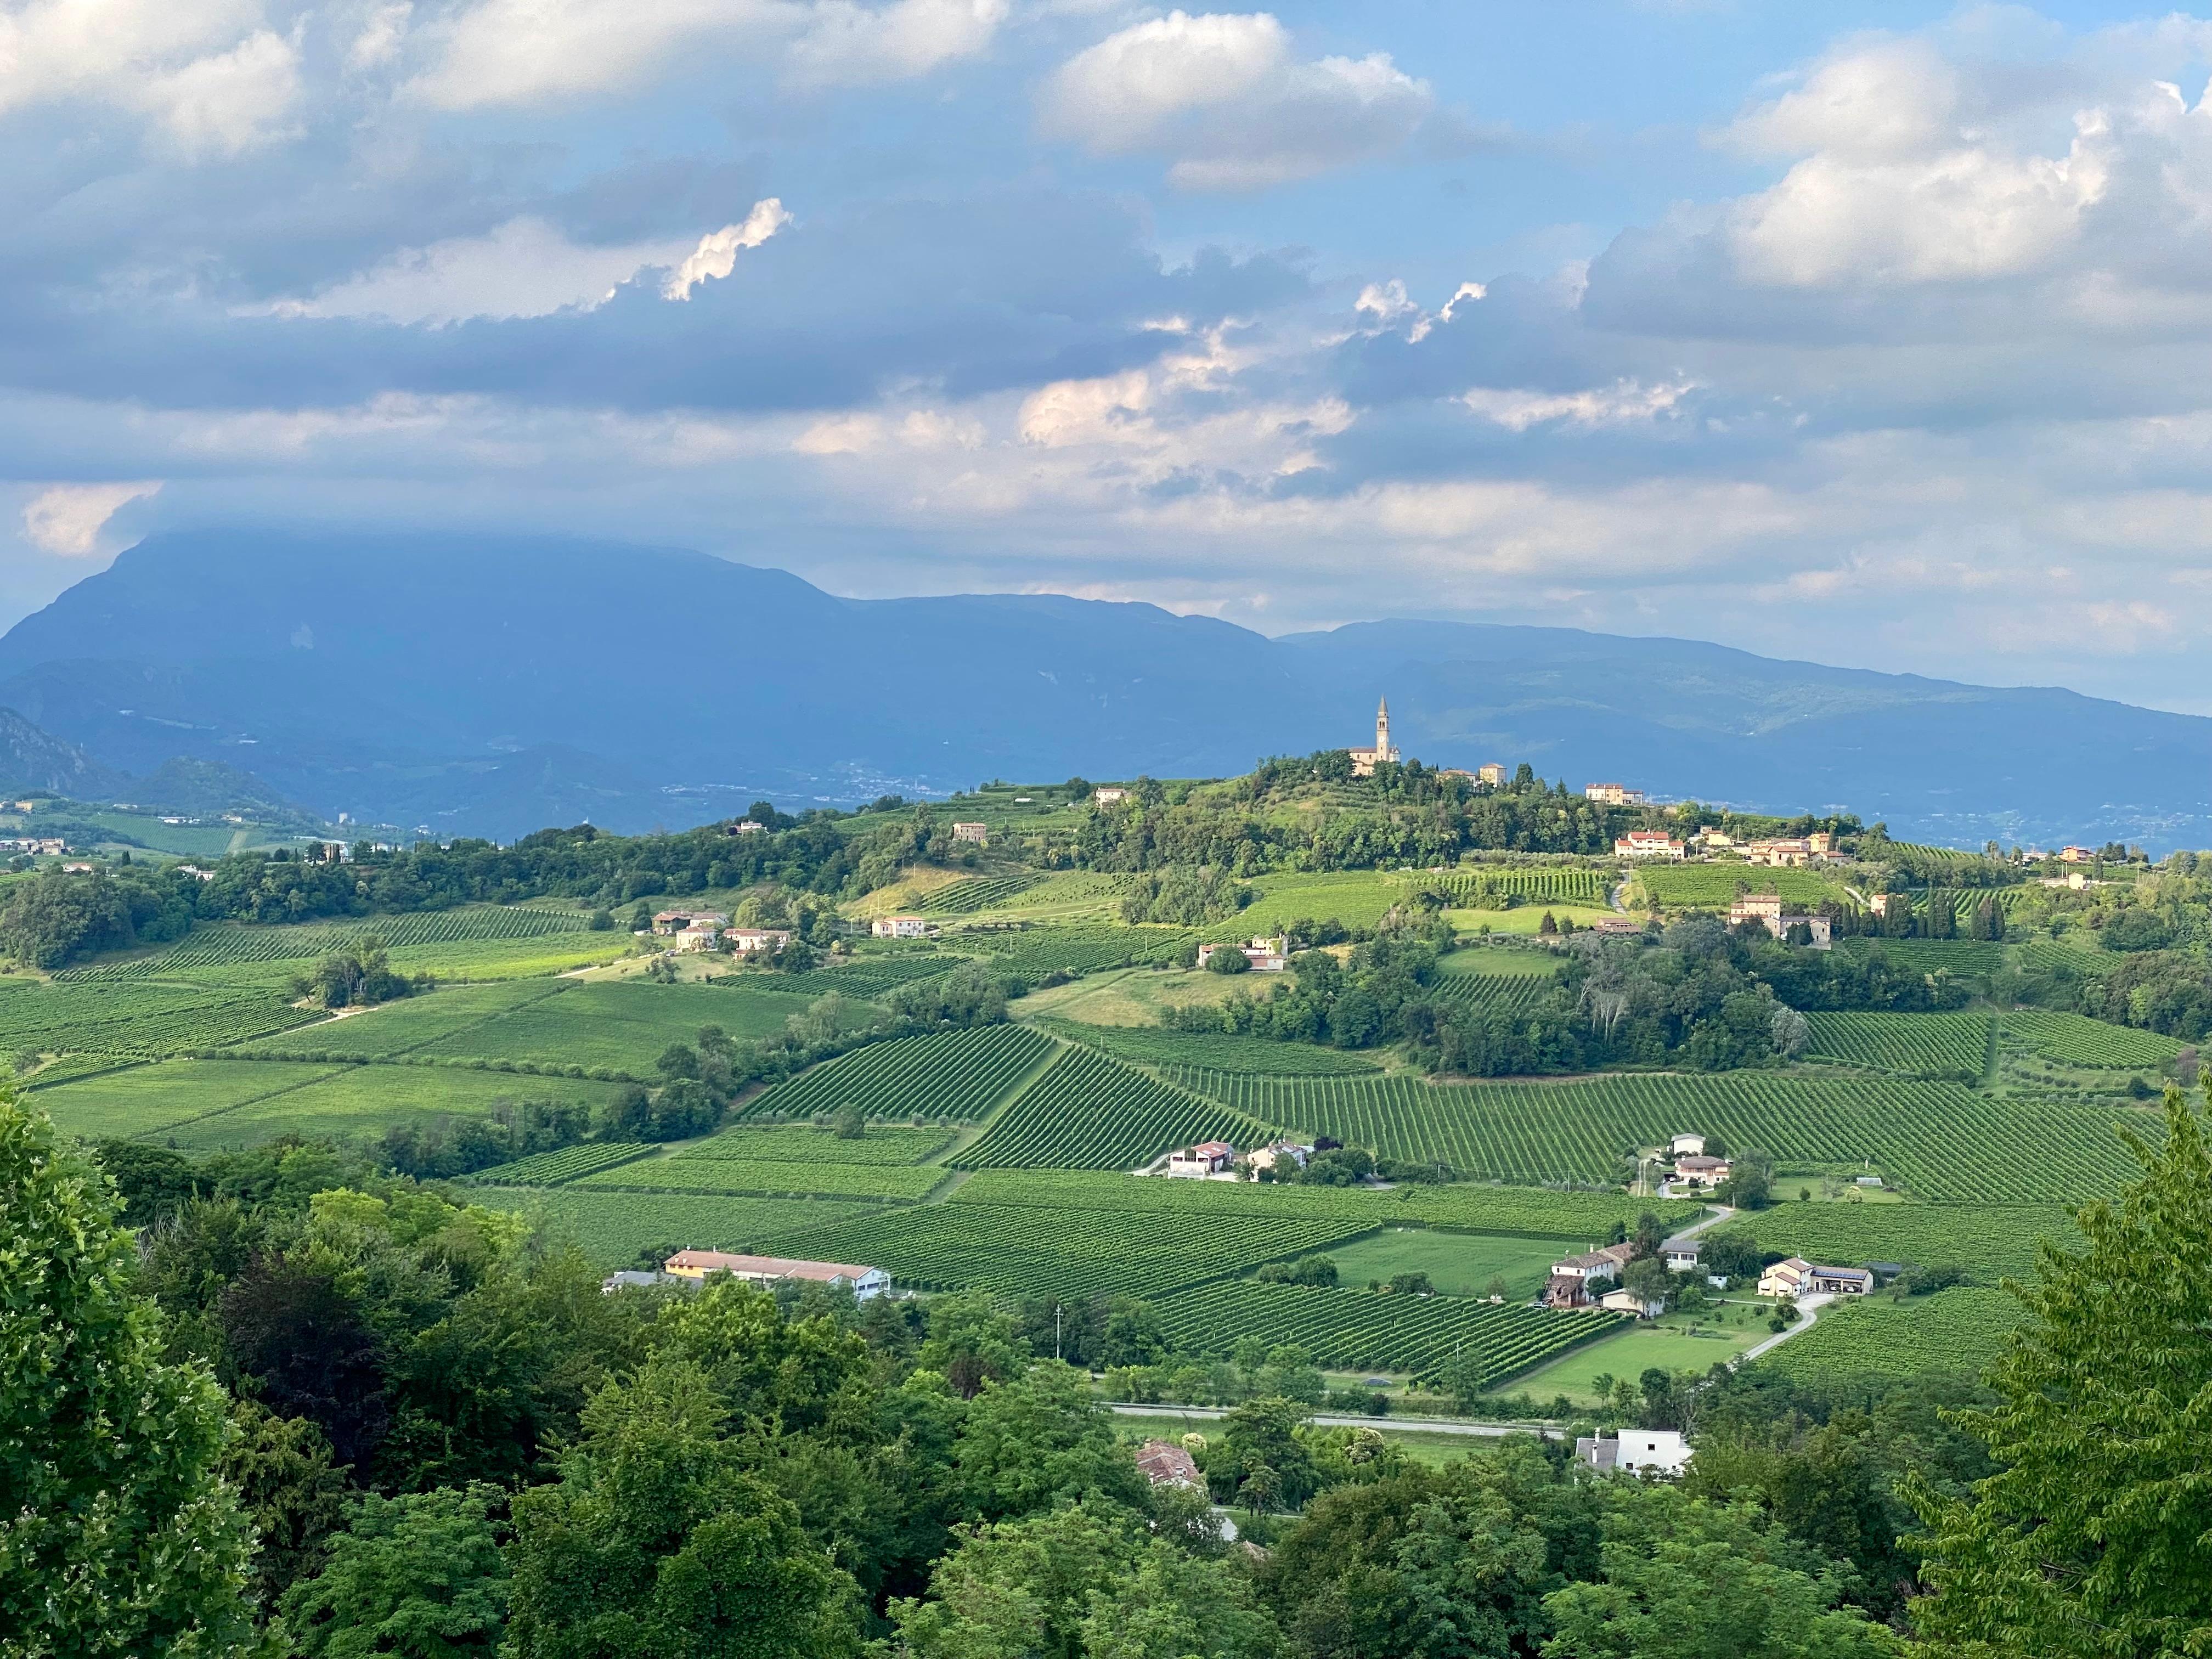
[212, 79]
[1224, 96]
[1621, 402]
[716, 256]
[528, 267]
[520, 52]
[67, 519]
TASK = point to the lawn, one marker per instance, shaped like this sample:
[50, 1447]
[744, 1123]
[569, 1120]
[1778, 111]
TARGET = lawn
[1669, 1344]
[146, 1100]
[1457, 1264]
[622, 1026]
[361, 1102]
[1525, 918]
[1429, 1447]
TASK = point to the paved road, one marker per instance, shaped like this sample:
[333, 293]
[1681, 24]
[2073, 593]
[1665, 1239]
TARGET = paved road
[1808, 1310]
[1334, 1420]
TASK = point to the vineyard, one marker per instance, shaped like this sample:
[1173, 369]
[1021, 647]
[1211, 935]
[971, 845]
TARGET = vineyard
[1363, 1330]
[1024, 1250]
[1152, 1045]
[973, 893]
[687, 1172]
[1966, 959]
[951, 1076]
[159, 1099]
[613, 1229]
[132, 1017]
[870, 977]
[1945, 1143]
[400, 1028]
[1716, 886]
[1960, 1329]
[1522, 1212]
[620, 1026]
[1954, 1046]
[795, 1143]
[358, 1103]
[1088, 1112]
[566, 1164]
[1083, 948]
[2071, 1039]
[227, 945]
[1507, 994]
[1991, 1241]
[1491, 888]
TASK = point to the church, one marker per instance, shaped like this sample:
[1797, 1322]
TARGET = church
[1364, 761]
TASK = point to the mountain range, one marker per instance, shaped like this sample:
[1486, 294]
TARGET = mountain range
[494, 685]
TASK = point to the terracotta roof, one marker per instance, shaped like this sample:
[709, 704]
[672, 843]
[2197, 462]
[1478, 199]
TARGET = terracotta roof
[763, 1267]
[1164, 1464]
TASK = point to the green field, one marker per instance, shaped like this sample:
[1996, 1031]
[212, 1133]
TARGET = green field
[145, 1101]
[1457, 1264]
[1939, 1140]
[2076, 1040]
[620, 1025]
[687, 1172]
[795, 1142]
[1965, 959]
[557, 1167]
[611, 1227]
[1356, 898]
[132, 1017]
[1082, 948]
[1088, 1112]
[871, 976]
[1028, 1250]
[950, 1076]
[358, 1103]
[1362, 1329]
[393, 1028]
[1716, 886]
[1955, 1046]
[1151, 1045]
[1670, 1345]
[1960, 1329]
[1991, 1241]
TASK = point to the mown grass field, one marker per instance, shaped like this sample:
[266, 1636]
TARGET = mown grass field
[147, 1101]
[1457, 1264]
[1631, 1350]
[402, 1027]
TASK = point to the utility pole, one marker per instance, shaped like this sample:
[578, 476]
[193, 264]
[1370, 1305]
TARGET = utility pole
[1055, 1332]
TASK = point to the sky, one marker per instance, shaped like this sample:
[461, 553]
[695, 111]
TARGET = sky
[1883, 345]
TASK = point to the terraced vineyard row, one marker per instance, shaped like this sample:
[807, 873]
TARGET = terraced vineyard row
[1945, 1143]
[973, 893]
[1025, 1251]
[1089, 1112]
[686, 1172]
[565, 1164]
[1528, 1211]
[953, 1076]
[1955, 1046]
[1361, 1329]
[2078, 1040]
[1153, 1045]
[1492, 994]
[1481, 888]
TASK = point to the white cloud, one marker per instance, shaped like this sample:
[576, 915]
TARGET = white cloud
[67, 519]
[528, 267]
[520, 53]
[849, 44]
[1622, 402]
[380, 38]
[211, 77]
[716, 256]
[1223, 96]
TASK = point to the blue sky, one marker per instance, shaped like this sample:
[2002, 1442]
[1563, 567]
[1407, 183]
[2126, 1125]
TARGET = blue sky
[1883, 346]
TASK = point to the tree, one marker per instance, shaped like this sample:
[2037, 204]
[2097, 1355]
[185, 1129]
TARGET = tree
[657, 1543]
[420, 1575]
[300, 1336]
[849, 1123]
[291, 1490]
[1228, 959]
[1041, 1441]
[117, 1536]
[2095, 1535]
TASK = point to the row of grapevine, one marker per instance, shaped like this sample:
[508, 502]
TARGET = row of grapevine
[1480, 887]
[1528, 1212]
[1088, 1112]
[1082, 948]
[1154, 1045]
[792, 1143]
[1944, 1142]
[687, 1172]
[2076, 1040]
[973, 893]
[1492, 994]
[1954, 1330]
[954, 1076]
[132, 1017]
[1363, 1329]
[1962, 959]
[1716, 886]
[1993, 1241]
[563, 1164]
[1026, 1251]
[225, 944]
[1954, 1046]
[871, 976]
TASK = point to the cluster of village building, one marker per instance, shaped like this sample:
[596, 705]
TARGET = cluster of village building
[710, 930]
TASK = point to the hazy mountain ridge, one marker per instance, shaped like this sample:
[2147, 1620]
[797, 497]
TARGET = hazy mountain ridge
[496, 685]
